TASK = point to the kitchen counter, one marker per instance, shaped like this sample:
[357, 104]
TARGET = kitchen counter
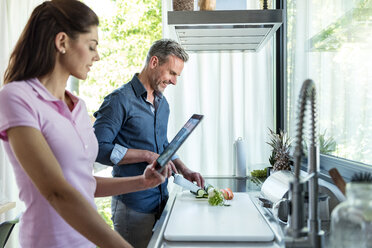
[248, 185]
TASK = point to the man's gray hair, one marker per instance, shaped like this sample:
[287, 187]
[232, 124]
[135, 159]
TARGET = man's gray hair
[165, 47]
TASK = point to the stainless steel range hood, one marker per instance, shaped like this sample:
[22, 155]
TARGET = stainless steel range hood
[224, 30]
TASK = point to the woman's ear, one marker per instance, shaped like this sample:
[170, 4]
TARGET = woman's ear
[61, 42]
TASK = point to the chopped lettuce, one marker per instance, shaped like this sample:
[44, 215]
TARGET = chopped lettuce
[215, 197]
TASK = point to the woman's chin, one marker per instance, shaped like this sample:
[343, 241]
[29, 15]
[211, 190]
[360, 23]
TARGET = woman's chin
[81, 76]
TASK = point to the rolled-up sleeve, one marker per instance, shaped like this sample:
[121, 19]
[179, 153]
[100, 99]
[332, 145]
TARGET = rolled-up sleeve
[106, 128]
[175, 156]
[118, 153]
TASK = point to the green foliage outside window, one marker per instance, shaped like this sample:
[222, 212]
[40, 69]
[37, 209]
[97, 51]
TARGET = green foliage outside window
[124, 39]
[335, 55]
[104, 209]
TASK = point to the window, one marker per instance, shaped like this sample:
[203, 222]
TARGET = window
[126, 31]
[330, 42]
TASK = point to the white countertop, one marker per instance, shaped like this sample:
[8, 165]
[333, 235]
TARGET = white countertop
[158, 240]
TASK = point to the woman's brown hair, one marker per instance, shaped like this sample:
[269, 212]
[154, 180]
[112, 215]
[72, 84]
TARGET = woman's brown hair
[35, 53]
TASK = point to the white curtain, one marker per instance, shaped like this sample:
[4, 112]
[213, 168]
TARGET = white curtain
[13, 17]
[234, 92]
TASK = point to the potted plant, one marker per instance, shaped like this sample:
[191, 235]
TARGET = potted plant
[280, 158]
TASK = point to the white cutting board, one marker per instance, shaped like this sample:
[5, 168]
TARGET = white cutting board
[194, 219]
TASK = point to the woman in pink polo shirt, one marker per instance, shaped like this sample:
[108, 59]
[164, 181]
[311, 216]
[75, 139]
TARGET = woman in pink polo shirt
[48, 135]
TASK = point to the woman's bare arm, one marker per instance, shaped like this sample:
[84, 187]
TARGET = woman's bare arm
[35, 156]
[121, 185]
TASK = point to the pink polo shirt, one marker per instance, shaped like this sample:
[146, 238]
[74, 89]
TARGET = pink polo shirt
[70, 136]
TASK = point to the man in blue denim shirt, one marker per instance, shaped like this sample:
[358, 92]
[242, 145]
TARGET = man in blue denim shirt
[131, 128]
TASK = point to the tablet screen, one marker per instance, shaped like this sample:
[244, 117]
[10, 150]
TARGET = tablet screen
[178, 140]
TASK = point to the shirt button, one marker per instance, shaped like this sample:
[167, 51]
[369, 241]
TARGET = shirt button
[86, 147]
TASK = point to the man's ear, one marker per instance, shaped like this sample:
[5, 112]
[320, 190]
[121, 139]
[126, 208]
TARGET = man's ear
[154, 62]
[61, 42]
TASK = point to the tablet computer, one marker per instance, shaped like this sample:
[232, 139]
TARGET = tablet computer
[177, 141]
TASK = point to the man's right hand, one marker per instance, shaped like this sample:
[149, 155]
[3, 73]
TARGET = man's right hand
[152, 156]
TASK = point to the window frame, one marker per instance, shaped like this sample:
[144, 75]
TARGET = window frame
[347, 168]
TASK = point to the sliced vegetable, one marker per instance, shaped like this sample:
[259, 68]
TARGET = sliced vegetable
[207, 187]
[215, 197]
[225, 194]
[211, 192]
[201, 193]
[231, 194]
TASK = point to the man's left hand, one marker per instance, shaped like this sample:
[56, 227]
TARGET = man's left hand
[193, 177]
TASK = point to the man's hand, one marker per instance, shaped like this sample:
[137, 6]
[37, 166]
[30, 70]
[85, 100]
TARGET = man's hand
[172, 167]
[150, 156]
[193, 177]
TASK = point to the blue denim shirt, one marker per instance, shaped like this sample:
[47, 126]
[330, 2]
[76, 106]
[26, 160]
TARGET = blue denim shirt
[126, 120]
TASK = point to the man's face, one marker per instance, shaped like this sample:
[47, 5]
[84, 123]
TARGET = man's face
[166, 73]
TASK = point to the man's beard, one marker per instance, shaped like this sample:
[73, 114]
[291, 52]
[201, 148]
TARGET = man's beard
[159, 87]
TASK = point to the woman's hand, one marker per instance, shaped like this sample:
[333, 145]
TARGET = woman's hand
[151, 158]
[153, 178]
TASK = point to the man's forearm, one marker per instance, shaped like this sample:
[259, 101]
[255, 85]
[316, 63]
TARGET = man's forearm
[180, 166]
[137, 156]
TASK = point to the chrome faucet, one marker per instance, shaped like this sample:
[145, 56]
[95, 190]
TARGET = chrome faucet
[297, 235]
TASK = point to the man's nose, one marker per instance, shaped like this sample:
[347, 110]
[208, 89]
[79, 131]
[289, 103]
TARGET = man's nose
[173, 81]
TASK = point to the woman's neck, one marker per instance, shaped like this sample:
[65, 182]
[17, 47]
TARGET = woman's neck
[55, 83]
